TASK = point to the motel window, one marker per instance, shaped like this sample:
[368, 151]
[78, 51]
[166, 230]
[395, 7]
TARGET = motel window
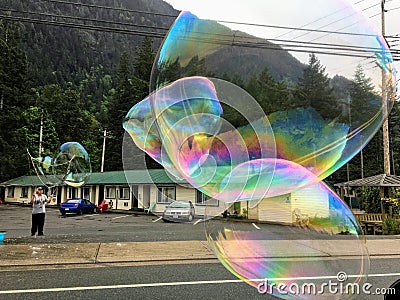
[72, 192]
[110, 192]
[24, 192]
[202, 199]
[86, 192]
[124, 192]
[166, 194]
[10, 192]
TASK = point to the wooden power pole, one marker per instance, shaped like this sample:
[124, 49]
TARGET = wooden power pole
[385, 126]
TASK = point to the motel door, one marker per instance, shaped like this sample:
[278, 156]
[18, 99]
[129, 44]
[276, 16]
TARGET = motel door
[134, 196]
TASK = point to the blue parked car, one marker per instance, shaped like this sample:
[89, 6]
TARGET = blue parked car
[78, 206]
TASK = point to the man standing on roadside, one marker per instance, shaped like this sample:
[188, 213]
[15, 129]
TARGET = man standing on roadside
[39, 201]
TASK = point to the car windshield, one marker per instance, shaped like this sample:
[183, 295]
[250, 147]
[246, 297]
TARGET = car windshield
[178, 204]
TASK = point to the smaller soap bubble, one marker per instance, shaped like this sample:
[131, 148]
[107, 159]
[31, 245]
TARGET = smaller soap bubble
[44, 169]
[72, 164]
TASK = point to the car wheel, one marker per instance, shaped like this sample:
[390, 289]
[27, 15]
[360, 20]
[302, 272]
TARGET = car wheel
[63, 213]
[80, 212]
[190, 218]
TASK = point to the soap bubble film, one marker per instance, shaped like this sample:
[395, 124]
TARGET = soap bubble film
[308, 236]
[254, 105]
[308, 94]
[71, 166]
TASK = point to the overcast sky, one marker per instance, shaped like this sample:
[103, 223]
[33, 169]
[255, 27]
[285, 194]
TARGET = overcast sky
[371, 8]
[292, 13]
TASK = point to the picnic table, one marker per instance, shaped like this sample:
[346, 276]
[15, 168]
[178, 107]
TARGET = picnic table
[371, 223]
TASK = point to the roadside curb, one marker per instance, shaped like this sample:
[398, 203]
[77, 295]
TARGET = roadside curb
[169, 251]
[102, 253]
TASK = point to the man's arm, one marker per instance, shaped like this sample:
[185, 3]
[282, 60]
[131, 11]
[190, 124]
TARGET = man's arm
[50, 198]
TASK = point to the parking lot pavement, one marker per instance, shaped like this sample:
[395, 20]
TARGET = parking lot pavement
[94, 228]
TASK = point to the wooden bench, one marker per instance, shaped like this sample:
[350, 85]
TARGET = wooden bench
[371, 223]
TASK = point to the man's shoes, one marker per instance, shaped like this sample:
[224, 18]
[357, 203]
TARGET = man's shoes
[40, 234]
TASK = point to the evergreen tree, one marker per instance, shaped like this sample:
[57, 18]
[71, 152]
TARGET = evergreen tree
[120, 104]
[133, 86]
[394, 138]
[95, 92]
[72, 123]
[15, 98]
[271, 95]
[141, 81]
[197, 67]
[50, 142]
[361, 98]
[144, 60]
[313, 90]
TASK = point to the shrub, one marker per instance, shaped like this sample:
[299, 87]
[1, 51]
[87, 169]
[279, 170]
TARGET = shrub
[391, 226]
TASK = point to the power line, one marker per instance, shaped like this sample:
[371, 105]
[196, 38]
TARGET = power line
[234, 22]
[165, 29]
[343, 18]
[82, 19]
[85, 26]
[174, 16]
[111, 8]
[319, 46]
[316, 47]
[319, 19]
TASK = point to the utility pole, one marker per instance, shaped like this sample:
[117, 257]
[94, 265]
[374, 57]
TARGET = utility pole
[41, 135]
[385, 126]
[104, 150]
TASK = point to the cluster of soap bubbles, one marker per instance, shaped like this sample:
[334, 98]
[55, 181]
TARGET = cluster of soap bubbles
[264, 155]
[71, 166]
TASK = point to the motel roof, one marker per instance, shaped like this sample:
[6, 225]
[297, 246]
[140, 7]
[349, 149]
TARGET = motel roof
[156, 176]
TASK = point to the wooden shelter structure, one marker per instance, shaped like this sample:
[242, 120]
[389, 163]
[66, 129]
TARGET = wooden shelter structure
[383, 181]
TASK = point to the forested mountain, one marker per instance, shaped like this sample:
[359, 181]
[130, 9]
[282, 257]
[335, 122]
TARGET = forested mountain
[80, 67]
[63, 49]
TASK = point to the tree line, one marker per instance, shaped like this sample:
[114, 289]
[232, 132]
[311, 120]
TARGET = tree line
[80, 111]
[68, 111]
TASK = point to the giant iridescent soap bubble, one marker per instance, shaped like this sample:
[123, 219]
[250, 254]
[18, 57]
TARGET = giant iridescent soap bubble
[313, 116]
[256, 100]
[71, 166]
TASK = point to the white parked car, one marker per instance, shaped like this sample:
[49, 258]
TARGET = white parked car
[178, 211]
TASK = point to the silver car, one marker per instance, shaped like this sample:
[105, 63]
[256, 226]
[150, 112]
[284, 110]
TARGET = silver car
[179, 211]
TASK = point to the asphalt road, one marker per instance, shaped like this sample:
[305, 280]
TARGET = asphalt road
[174, 281]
